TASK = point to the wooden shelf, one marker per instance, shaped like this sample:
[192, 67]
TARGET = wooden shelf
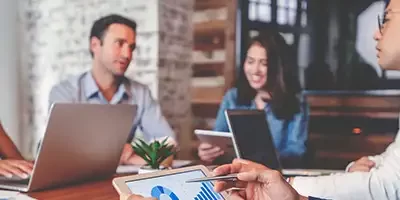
[355, 101]
[213, 72]
[209, 41]
[209, 27]
[209, 69]
[207, 95]
[206, 101]
[209, 4]
[357, 106]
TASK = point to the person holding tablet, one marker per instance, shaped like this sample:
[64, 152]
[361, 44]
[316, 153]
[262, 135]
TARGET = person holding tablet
[254, 182]
[268, 81]
[12, 163]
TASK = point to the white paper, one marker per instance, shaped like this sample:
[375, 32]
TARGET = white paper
[122, 169]
[12, 195]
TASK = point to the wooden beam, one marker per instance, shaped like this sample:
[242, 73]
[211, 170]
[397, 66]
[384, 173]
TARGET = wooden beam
[209, 27]
[209, 69]
[205, 110]
[209, 4]
[214, 40]
[207, 95]
[230, 44]
[354, 101]
[379, 115]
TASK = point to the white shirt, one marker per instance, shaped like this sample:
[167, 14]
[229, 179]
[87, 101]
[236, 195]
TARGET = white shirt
[382, 182]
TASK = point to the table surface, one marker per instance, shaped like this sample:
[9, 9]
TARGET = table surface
[95, 189]
[99, 189]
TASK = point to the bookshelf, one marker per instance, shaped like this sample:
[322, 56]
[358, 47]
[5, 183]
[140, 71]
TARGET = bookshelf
[213, 59]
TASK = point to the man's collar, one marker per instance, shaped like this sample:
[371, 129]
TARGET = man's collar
[91, 89]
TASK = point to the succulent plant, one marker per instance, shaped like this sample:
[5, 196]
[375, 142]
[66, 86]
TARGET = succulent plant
[155, 152]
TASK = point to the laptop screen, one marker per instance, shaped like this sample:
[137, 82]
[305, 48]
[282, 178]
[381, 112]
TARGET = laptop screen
[252, 137]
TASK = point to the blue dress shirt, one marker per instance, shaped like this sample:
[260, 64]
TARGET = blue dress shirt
[149, 118]
[289, 136]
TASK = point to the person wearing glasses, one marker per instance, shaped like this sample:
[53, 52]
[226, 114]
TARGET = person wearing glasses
[372, 177]
[12, 163]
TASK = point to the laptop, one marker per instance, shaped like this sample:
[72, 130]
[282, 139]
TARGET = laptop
[253, 141]
[251, 137]
[81, 142]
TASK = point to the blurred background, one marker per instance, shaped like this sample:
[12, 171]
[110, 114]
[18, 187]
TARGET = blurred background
[189, 53]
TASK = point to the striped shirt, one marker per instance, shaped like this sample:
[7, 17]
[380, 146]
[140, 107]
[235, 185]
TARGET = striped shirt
[149, 118]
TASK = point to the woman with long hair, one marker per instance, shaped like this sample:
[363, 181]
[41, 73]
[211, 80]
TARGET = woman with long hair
[267, 81]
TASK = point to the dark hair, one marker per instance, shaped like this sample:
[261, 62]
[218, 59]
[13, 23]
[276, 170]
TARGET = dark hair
[101, 25]
[282, 81]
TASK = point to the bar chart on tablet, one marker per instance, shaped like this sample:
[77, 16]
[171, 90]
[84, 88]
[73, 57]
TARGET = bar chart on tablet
[207, 192]
[175, 187]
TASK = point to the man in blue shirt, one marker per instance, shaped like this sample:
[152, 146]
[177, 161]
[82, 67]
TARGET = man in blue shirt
[112, 41]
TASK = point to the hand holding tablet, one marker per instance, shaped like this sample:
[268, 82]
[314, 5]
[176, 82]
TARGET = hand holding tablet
[171, 184]
[215, 144]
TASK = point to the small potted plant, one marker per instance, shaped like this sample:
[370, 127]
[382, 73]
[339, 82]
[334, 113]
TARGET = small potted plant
[154, 154]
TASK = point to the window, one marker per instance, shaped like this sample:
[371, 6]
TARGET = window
[286, 11]
[260, 10]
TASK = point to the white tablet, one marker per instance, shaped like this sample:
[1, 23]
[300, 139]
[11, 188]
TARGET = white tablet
[216, 138]
[170, 184]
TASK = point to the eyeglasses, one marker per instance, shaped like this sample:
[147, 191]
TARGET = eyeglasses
[380, 24]
[381, 21]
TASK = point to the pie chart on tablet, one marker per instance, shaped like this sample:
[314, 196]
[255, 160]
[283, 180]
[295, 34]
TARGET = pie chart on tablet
[163, 193]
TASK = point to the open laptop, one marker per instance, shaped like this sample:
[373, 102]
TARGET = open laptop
[251, 137]
[253, 141]
[81, 142]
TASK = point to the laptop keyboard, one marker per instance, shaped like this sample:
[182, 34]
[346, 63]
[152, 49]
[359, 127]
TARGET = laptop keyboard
[14, 179]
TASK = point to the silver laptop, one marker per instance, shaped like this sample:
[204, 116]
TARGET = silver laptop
[81, 142]
[252, 140]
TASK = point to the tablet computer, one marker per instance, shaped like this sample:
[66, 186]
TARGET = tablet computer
[170, 184]
[221, 139]
[252, 137]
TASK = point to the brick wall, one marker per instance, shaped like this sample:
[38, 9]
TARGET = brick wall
[54, 45]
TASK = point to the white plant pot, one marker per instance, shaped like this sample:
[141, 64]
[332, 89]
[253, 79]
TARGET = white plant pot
[147, 169]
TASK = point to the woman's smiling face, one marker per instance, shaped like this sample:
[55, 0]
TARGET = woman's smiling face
[255, 66]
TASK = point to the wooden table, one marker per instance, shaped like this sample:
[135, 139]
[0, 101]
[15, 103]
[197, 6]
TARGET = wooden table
[100, 189]
[96, 189]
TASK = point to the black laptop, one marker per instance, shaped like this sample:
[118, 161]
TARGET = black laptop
[253, 141]
[252, 137]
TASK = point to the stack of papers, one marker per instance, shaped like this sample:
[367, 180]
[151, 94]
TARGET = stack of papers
[11, 195]
[309, 172]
